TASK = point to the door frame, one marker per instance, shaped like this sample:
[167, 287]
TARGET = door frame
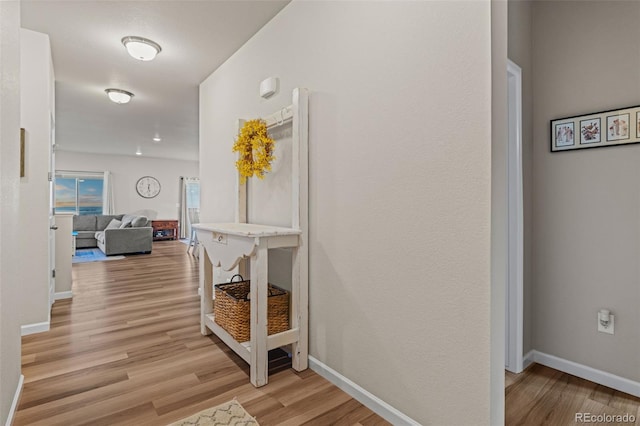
[514, 297]
[52, 213]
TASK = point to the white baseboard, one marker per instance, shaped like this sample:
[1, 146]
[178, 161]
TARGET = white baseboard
[598, 376]
[63, 295]
[360, 394]
[14, 404]
[527, 360]
[35, 328]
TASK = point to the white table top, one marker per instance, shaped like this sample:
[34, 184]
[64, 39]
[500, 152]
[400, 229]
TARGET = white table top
[246, 229]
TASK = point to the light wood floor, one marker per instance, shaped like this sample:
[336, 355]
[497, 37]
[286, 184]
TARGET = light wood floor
[543, 396]
[127, 350]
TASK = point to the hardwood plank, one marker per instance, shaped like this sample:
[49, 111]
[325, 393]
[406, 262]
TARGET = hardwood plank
[127, 350]
[98, 402]
[543, 396]
[69, 365]
[200, 392]
[53, 391]
[343, 415]
[306, 409]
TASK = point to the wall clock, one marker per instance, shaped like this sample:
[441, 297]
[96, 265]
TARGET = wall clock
[148, 187]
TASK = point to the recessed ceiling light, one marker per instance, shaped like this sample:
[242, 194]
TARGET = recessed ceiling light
[138, 152]
[119, 96]
[157, 139]
[141, 48]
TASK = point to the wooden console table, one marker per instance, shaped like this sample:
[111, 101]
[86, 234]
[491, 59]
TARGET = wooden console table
[227, 245]
[164, 229]
[245, 246]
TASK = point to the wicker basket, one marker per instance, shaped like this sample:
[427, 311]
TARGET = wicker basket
[232, 309]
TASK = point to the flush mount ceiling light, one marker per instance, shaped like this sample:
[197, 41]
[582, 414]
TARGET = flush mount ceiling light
[119, 96]
[141, 48]
[157, 139]
[138, 152]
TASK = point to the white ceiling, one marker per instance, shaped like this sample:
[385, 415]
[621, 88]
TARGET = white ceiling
[88, 57]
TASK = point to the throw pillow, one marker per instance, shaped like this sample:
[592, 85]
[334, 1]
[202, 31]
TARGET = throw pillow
[139, 221]
[125, 225]
[127, 218]
[114, 224]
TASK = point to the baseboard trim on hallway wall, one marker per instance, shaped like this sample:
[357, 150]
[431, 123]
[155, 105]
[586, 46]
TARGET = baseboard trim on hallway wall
[16, 398]
[63, 295]
[527, 360]
[38, 327]
[597, 376]
[360, 394]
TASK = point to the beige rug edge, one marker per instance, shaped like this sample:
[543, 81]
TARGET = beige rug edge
[227, 414]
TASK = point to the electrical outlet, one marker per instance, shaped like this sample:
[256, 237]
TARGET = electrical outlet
[609, 328]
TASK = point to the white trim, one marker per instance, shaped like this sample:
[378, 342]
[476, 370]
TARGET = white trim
[528, 359]
[16, 398]
[63, 295]
[38, 327]
[514, 294]
[598, 376]
[360, 394]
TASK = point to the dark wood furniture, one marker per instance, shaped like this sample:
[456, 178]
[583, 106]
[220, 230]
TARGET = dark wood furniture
[165, 229]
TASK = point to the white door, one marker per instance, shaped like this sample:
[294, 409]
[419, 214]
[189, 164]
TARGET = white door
[52, 218]
[514, 291]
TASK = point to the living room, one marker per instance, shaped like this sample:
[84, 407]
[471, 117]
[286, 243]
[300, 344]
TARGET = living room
[125, 171]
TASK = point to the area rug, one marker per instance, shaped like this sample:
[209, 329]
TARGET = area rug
[92, 255]
[228, 414]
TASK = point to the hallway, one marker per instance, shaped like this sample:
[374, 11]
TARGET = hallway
[128, 350]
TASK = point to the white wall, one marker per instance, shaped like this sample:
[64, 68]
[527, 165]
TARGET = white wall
[400, 191]
[37, 103]
[10, 275]
[499, 205]
[126, 171]
[587, 202]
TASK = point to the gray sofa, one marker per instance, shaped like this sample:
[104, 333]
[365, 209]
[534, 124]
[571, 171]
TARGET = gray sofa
[133, 234]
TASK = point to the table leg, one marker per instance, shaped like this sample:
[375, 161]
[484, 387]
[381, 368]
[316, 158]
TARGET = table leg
[299, 310]
[259, 353]
[206, 289]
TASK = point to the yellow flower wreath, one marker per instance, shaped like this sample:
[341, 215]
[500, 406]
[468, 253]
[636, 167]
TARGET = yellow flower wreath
[255, 148]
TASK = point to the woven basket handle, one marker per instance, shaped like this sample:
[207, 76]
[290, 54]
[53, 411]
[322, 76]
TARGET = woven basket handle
[236, 275]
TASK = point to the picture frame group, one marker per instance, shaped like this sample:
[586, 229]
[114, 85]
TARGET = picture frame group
[596, 130]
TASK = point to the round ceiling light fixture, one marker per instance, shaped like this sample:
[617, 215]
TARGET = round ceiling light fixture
[119, 96]
[157, 139]
[141, 48]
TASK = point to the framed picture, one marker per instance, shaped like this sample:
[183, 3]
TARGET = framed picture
[590, 131]
[595, 130]
[565, 134]
[617, 127]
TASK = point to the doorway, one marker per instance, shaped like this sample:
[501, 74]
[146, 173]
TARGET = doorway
[189, 205]
[514, 324]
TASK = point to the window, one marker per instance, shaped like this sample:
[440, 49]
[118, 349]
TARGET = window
[193, 194]
[79, 195]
